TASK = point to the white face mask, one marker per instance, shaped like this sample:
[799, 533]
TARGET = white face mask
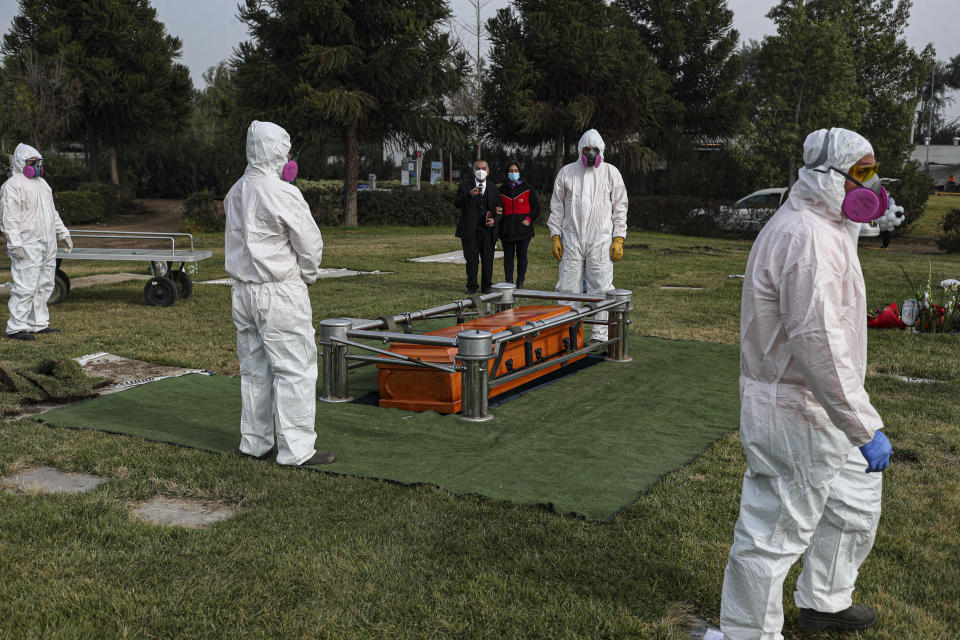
[481, 175]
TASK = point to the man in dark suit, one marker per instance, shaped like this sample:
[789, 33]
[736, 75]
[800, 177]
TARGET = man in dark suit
[478, 200]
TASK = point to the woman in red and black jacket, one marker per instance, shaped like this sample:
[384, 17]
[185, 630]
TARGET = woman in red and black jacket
[520, 208]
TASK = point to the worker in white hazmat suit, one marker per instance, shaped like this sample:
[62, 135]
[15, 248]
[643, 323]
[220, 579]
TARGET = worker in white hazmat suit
[812, 439]
[588, 222]
[273, 251]
[32, 227]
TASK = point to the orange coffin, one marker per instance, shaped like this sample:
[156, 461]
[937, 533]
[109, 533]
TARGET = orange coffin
[417, 389]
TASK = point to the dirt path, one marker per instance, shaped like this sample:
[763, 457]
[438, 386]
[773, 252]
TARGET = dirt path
[138, 215]
[145, 215]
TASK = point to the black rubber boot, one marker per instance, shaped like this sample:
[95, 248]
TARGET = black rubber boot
[21, 335]
[48, 330]
[854, 618]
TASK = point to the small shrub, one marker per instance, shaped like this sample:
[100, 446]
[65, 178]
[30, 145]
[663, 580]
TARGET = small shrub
[911, 193]
[203, 213]
[79, 207]
[109, 196]
[949, 240]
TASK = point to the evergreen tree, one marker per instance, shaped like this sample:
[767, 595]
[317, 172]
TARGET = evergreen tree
[806, 81]
[365, 70]
[559, 67]
[833, 63]
[123, 59]
[694, 43]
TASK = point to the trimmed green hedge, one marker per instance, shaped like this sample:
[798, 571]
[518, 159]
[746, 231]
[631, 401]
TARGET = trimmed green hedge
[79, 207]
[404, 207]
[108, 194]
[434, 207]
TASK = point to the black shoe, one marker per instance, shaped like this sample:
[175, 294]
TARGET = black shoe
[320, 457]
[519, 284]
[48, 330]
[271, 452]
[486, 290]
[21, 335]
[856, 617]
[469, 292]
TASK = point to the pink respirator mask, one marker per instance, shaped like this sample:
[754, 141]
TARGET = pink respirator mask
[34, 170]
[289, 172]
[586, 161]
[865, 203]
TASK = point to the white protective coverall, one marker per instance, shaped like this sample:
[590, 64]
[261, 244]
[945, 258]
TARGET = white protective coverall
[273, 250]
[587, 210]
[803, 408]
[30, 221]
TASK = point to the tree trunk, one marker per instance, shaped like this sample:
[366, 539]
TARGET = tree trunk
[792, 162]
[557, 154]
[114, 169]
[350, 181]
[93, 159]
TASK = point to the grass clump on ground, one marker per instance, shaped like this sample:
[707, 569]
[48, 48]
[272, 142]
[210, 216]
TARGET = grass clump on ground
[313, 555]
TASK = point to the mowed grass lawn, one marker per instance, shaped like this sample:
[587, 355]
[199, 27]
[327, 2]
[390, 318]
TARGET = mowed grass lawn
[314, 555]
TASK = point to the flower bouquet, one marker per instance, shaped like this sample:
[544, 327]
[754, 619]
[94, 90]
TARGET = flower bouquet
[933, 312]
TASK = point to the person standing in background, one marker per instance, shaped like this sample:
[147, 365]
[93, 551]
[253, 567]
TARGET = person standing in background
[521, 208]
[480, 213]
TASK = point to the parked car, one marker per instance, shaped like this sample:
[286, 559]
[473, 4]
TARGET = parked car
[754, 210]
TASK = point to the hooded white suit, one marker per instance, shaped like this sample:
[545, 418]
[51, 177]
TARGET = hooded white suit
[588, 209]
[273, 250]
[804, 411]
[31, 222]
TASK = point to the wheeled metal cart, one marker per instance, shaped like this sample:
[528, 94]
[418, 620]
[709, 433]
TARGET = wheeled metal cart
[169, 281]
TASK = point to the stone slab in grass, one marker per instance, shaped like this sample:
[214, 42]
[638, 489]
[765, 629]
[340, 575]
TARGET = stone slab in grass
[452, 257]
[668, 287]
[182, 513]
[51, 480]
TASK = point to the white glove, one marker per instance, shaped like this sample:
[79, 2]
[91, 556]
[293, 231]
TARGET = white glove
[17, 253]
[67, 241]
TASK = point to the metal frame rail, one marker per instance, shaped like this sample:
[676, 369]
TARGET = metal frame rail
[475, 349]
[166, 286]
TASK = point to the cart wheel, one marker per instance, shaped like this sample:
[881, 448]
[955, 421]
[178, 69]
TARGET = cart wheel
[160, 292]
[61, 287]
[66, 278]
[183, 282]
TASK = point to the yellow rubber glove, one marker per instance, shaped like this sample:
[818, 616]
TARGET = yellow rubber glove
[616, 249]
[557, 248]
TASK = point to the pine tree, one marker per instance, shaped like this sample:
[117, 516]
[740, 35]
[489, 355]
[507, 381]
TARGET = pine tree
[694, 43]
[123, 59]
[366, 70]
[559, 67]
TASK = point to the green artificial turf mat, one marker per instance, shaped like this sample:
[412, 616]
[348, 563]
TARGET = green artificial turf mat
[586, 444]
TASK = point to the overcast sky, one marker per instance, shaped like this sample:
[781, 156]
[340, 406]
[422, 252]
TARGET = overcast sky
[210, 30]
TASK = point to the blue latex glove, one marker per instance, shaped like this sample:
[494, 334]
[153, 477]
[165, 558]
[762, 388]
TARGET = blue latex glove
[877, 452]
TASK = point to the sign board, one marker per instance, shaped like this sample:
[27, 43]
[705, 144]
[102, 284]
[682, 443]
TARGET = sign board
[436, 172]
[408, 172]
